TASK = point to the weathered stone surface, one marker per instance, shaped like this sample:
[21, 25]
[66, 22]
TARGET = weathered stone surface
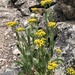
[4, 3]
[68, 8]
[66, 40]
[10, 71]
[58, 14]
[25, 4]
[28, 3]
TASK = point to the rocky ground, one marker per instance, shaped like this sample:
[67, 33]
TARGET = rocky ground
[8, 51]
[7, 40]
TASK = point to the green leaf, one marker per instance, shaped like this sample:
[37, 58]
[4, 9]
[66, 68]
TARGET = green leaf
[18, 38]
[19, 47]
[59, 60]
[36, 73]
[18, 63]
[35, 52]
[47, 56]
[51, 53]
[21, 73]
[28, 53]
[28, 37]
[35, 61]
[24, 40]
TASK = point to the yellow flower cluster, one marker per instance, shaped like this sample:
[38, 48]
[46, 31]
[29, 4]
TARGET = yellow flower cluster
[58, 50]
[71, 71]
[34, 9]
[12, 23]
[20, 29]
[51, 24]
[39, 42]
[52, 65]
[32, 20]
[44, 2]
[40, 33]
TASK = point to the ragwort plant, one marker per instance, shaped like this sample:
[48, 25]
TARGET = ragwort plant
[35, 48]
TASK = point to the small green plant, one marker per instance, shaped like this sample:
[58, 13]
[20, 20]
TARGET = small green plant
[36, 46]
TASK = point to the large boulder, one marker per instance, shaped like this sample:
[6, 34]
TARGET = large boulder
[66, 41]
[68, 8]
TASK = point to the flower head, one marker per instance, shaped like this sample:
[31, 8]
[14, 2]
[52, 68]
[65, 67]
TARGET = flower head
[58, 50]
[34, 9]
[52, 65]
[39, 42]
[44, 2]
[40, 33]
[70, 71]
[12, 23]
[32, 20]
[51, 24]
[20, 29]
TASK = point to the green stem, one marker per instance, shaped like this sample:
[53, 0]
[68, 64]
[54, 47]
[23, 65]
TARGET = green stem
[51, 46]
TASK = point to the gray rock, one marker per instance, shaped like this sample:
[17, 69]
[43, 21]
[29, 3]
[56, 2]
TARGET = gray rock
[68, 8]
[58, 72]
[26, 4]
[66, 40]
[16, 51]
[4, 3]
[42, 22]
[58, 14]
[10, 72]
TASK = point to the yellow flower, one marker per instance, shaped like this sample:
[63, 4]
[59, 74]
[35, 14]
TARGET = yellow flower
[58, 50]
[12, 23]
[40, 33]
[44, 2]
[34, 9]
[39, 42]
[52, 65]
[71, 71]
[51, 24]
[32, 20]
[20, 29]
